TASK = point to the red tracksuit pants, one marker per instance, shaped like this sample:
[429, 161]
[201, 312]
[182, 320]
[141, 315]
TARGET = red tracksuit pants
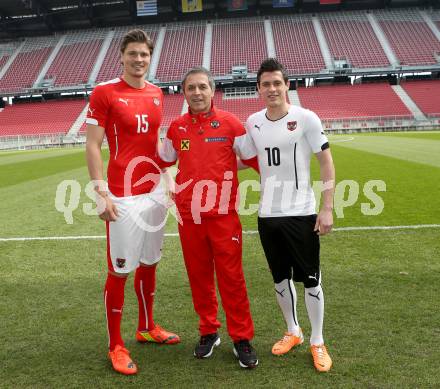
[214, 247]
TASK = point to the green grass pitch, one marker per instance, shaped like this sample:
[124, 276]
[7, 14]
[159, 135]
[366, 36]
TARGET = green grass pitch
[381, 286]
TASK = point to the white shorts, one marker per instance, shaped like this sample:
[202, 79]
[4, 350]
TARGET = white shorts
[137, 235]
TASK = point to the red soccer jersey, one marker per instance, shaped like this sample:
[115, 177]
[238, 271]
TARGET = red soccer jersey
[206, 146]
[131, 118]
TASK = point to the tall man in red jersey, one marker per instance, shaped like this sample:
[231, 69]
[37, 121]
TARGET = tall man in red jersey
[128, 111]
[206, 141]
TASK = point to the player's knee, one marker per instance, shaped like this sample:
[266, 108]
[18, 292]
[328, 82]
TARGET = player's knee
[280, 275]
[312, 280]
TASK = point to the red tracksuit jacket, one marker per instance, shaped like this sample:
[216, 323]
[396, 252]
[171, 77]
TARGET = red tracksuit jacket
[206, 145]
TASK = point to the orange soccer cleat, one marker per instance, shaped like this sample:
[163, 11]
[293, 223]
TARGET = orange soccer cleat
[321, 359]
[121, 360]
[288, 341]
[157, 335]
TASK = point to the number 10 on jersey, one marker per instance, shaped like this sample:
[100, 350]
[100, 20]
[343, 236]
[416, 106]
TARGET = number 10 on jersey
[142, 123]
[273, 156]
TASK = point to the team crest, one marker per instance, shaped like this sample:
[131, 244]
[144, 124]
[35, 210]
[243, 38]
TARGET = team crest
[120, 262]
[156, 101]
[215, 124]
[184, 145]
[291, 126]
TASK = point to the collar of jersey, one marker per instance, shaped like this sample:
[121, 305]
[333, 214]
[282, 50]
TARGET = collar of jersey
[203, 116]
[132, 87]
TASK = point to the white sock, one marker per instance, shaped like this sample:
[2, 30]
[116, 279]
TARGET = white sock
[315, 308]
[286, 297]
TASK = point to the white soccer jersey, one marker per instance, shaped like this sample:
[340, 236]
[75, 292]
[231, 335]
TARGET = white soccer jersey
[284, 148]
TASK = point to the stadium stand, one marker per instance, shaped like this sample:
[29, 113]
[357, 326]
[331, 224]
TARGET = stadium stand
[182, 49]
[426, 94]
[365, 101]
[3, 60]
[75, 60]
[351, 37]
[296, 44]
[237, 42]
[172, 108]
[27, 65]
[410, 37]
[40, 118]
[241, 106]
[111, 67]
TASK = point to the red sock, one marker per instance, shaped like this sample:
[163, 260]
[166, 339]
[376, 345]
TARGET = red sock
[145, 285]
[114, 302]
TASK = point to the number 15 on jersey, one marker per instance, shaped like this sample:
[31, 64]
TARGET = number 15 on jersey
[142, 123]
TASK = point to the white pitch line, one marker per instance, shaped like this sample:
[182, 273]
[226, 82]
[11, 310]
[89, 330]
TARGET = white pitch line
[84, 237]
[342, 140]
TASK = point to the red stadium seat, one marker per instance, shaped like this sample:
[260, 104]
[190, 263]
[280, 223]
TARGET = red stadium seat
[352, 102]
[410, 37]
[426, 94]
[237, 43]
[76, 58]
[25, 69]
[296, 45]
[172, 108]
[40, 118]
[351, 37]
[181, 50]
[242, 107]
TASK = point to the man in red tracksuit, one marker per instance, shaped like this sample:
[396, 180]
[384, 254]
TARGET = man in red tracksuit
[206, 141]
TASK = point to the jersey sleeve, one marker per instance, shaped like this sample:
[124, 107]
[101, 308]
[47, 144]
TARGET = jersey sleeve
[97, 112]
[315, 133]
[243, 145]
[167, 152]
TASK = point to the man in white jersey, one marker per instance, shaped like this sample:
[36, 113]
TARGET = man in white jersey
[285, 137]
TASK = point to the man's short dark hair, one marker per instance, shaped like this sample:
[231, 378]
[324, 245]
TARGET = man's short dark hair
[271, 65]
[197, 70]
[137, 36]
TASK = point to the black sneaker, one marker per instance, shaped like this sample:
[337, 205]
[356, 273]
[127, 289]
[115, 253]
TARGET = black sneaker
[206, 345]
[247, 357]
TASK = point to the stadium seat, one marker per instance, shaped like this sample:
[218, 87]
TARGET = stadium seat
[3, 60]
[172, 108]
[50, 117]
[182, 49]
[296, 44]
[350, 36]
[426, 94]
[27, 65]
[242, 107]
[410, 37]
[76, 58]
[237, 42]
[366, 101]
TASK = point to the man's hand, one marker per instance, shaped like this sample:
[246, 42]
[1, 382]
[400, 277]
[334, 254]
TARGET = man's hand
[324, 222]
[110, 213]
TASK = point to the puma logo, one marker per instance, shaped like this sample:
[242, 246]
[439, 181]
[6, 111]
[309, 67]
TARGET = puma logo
[116, 310]
[236, 239]
[313, 278]
[258, 127]
[125, 101]
[182, 128]
[315, 296]
[280, 293]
